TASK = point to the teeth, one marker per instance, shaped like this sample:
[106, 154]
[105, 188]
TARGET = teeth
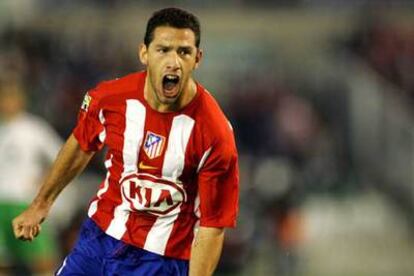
[171, 77]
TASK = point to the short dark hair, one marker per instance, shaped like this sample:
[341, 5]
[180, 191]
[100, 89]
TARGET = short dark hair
[172, 17]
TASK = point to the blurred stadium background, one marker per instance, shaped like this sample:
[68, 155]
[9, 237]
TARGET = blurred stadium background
[320, 94]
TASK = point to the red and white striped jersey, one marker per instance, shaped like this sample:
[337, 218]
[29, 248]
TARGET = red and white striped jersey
[167, 173]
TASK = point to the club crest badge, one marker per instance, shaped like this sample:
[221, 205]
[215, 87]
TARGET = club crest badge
[153, 145]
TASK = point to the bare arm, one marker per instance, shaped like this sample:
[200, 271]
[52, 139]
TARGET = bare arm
[206, 251]
[70, 161]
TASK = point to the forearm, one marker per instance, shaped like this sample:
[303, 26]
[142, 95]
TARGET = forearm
[206, 251]
[70, 161]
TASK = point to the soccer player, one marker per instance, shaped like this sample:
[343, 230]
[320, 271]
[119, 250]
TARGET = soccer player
[27, 145]
[172, 172]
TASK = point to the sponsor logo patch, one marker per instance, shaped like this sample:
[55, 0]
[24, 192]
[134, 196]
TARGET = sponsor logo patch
[86, 102]
[142, 166]
[150, 194]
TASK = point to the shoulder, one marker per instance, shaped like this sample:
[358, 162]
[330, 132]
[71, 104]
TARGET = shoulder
[213, 120]
[121, 86]
[209, 108]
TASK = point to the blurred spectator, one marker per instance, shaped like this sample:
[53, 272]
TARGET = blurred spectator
[27, 146]
[292, 153]
[389, 50]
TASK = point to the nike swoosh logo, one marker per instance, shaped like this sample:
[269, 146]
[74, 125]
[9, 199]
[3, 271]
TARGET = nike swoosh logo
[142, 166]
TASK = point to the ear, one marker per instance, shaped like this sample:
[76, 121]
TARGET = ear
[143, 53]
[199, 57]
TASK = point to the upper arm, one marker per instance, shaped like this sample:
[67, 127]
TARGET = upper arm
[90, 125]
[72, 154]
[218, 184]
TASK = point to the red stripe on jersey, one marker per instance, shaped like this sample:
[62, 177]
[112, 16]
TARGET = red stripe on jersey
[138, 225]
[105, 209]
[182, 234]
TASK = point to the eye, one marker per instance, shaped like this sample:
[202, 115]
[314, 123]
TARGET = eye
[162, 50]
[183, 52]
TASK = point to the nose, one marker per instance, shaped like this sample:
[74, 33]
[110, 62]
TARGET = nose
[173, 61]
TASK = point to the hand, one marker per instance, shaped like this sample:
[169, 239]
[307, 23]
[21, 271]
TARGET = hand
[26, 226]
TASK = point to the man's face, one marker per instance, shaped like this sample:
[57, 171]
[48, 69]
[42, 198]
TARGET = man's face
[170, 58]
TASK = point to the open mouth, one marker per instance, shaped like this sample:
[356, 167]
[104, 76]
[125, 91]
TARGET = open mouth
[170, 84]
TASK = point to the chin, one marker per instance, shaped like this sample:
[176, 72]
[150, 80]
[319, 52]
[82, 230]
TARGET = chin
[168, 100]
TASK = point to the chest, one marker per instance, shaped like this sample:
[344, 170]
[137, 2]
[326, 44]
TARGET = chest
[164, 145]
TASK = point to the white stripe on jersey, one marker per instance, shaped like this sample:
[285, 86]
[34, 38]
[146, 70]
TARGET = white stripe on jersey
[197, 205]
[133, 136]
[63, 266]
[182, 126]
[203, 159]
[197, 212]
[206, 154]
[102, 135]
[180, 132]
[93, 207]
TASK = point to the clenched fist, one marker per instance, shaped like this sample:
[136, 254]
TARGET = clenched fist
[26, 226]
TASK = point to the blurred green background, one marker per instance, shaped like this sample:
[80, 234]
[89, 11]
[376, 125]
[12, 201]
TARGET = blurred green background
[320, 94]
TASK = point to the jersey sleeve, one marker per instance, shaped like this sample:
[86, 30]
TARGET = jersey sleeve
[218, 184]
[89, 126]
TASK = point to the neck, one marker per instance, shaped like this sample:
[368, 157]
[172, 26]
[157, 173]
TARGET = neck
[182, 101]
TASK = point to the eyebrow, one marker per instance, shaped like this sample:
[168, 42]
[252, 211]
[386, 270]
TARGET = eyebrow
[186, 48]
[163, 46]
[170, 47]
